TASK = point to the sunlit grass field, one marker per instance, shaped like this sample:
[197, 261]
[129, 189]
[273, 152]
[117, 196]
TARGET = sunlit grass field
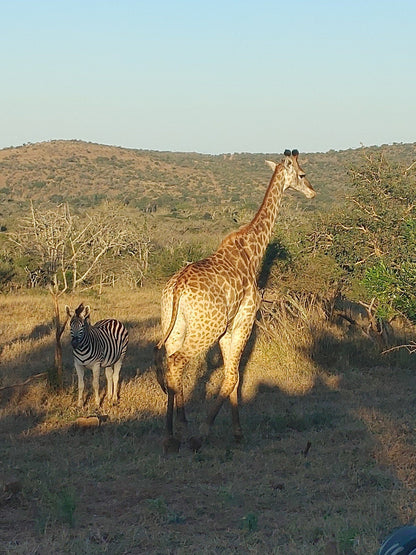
[327, 464]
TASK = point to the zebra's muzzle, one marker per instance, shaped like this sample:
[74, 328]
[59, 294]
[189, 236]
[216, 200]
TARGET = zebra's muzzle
[74, 342]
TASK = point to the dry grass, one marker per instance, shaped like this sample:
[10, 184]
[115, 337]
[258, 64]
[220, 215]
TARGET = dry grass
[327, 464]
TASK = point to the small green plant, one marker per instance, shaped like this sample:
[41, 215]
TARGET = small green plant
[158, 505]
[56, 507]
[66, 506]
[249, 522]
[226, 496]
[347, 540]
[41, 523]
[175, 518]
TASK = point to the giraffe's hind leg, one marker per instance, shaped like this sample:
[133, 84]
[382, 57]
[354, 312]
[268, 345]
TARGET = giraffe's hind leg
[174, 381]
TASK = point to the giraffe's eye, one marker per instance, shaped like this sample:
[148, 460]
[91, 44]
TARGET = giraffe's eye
[302, 175]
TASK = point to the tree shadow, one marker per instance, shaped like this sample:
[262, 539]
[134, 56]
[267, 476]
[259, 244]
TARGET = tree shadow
[38, 332]
[274, 251]
[135, 365]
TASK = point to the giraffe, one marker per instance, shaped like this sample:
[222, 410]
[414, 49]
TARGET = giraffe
[217, 298]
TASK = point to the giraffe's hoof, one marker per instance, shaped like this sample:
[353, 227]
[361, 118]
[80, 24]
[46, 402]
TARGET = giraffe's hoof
[195, 443]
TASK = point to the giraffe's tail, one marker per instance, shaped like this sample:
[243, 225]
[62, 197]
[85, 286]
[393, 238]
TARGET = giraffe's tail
[159, 354]
[175, 305]
[160, 350]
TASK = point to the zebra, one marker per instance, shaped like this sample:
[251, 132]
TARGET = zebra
[38, 277]
[102, 345]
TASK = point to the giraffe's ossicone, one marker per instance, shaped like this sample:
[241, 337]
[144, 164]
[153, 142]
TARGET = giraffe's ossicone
[216, 299]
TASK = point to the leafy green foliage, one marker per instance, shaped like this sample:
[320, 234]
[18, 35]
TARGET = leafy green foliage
[7, 270]
[373, 240]
[394, 288]
[168, 260]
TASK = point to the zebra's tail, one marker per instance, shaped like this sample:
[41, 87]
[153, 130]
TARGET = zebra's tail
[159, 354]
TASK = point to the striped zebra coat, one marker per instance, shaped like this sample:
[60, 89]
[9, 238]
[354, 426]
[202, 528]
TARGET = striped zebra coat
[102, 345]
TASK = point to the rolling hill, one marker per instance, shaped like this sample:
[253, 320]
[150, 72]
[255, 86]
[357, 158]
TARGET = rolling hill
[84, 174]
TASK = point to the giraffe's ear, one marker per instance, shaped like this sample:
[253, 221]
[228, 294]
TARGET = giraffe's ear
[271, 164]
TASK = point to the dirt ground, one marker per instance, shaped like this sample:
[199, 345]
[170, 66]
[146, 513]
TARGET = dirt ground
[327, 464]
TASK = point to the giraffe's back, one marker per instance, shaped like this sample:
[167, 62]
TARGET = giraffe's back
[208, 303]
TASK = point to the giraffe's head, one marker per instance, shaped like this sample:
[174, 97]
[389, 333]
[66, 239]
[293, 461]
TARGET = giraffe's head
[79, 319]
[293, 175]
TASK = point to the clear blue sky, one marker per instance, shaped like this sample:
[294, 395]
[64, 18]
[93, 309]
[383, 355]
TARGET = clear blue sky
[214, 77]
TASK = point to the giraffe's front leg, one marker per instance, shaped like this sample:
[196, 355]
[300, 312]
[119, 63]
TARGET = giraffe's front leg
[229, 388]
[226, 345]
[235, 415]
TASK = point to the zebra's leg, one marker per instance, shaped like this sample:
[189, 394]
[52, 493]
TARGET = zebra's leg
[109, 377]
[96, 382]
[80, 374]
[116, 377]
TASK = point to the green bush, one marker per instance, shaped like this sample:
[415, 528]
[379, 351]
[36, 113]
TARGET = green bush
[394, 289]
[7, 271]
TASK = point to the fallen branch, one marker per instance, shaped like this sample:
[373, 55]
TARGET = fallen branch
[34, 377]
[410, 348]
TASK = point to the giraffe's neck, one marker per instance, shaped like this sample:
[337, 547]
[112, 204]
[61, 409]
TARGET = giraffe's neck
[255, 236]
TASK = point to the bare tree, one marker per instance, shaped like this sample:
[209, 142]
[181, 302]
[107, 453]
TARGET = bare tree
[43, 237]
[77, 252]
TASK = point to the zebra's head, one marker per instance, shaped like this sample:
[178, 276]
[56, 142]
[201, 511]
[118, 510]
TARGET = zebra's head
[79, 321]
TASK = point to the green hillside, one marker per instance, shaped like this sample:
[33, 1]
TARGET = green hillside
[84, 174]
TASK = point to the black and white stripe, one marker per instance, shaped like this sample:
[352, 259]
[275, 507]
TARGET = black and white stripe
[102, 345]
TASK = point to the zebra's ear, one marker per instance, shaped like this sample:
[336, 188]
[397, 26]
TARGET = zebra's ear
[78, 311]
[68, 310]
[87, 311]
